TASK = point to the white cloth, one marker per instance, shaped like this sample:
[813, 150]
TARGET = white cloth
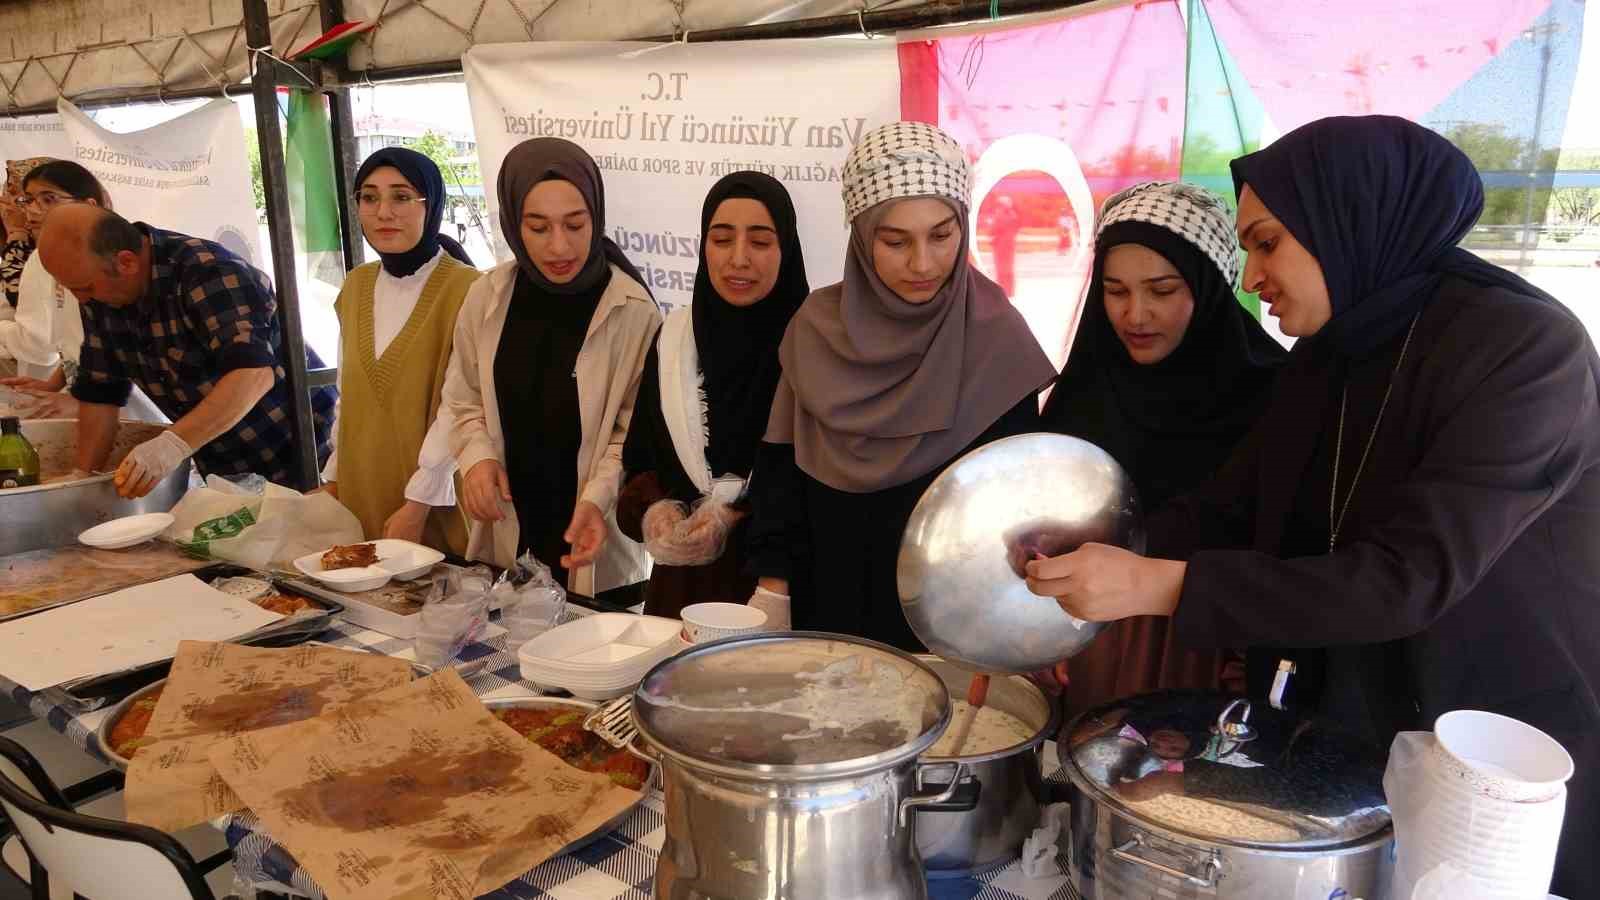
[394, 299]
[47, 326]
[683, 408]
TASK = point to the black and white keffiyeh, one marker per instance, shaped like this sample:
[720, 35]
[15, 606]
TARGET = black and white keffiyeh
[905, 159]
[1193, 213]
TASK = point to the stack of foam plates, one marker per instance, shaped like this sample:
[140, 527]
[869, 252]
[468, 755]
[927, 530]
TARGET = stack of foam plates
[601, 656]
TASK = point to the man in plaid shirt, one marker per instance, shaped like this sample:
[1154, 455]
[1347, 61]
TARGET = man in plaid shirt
[196, 328]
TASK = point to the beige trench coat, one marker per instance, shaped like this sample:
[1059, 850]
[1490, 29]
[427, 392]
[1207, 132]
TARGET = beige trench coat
[608, 371]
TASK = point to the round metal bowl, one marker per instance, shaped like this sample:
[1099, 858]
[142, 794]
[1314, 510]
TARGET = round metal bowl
[102, 734]
[615, 821]
[961, 567]
[57, 513]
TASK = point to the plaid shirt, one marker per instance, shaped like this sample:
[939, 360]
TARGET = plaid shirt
[207, 312]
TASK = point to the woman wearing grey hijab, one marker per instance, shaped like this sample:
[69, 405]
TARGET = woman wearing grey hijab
[889, 376]
[548, 353]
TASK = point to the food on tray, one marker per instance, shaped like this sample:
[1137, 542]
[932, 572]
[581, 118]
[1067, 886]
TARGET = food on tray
[992, 730]
[127, 736]
[285, 604]
[350, 556]
[560, 730]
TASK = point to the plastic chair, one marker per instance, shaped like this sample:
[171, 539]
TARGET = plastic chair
[86, 855]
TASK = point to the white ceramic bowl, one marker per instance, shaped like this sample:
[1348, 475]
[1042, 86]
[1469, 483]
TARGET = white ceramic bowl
[127, 531]
[1500, 757]
[704, 622]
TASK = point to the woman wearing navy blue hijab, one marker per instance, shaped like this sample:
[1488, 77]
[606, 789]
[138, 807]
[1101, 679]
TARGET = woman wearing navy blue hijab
[391, 464]
[1421, 501]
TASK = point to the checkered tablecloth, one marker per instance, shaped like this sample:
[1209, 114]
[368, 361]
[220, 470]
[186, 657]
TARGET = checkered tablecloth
[620, 865]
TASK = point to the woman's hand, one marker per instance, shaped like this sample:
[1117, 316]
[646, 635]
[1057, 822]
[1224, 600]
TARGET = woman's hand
[586, 534]
[1052, 681]
[1098, 583]
[28, 384]
[407, 522]
[486, 490]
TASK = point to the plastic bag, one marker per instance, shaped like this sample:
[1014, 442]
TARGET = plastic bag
[531, 602]
[1040, 850]
[675, 539]
[266, 531]
[455, 614]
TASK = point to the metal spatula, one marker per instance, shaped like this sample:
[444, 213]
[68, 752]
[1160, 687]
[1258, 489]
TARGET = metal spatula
[614, 722]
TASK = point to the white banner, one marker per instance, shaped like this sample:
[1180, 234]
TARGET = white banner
[32, 136]
[665, 121]
[188, 175]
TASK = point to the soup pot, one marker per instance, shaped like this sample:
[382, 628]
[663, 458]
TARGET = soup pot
[959, 844]
[789, 766]
[1186, 795]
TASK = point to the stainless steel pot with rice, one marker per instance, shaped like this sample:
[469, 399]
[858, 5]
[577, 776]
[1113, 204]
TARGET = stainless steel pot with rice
[1199, 795]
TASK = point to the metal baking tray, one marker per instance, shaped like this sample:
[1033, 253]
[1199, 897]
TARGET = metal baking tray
[102, 734]
[86, 694]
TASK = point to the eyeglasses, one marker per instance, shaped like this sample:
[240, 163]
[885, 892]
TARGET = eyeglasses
[370, 201]
[44, 200]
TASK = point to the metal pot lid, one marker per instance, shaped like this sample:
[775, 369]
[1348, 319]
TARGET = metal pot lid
[796, 705]
[1222, 769]
[960, 570]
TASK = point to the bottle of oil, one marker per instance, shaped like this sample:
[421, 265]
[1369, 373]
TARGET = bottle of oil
[19, 462]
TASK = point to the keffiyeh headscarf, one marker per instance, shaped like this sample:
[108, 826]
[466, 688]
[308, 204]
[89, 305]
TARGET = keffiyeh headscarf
[877, 391]
[1170, 423]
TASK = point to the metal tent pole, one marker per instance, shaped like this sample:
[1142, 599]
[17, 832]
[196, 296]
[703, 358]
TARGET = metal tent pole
[341, 121]
[263, 86]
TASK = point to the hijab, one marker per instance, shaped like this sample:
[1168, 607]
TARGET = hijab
[877, 392]
[1381, 202]
[543, 159]
[1173, 423]
[426, 178]
[738, 347]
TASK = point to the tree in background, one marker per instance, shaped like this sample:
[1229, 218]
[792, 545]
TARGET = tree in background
[438, 148]
[1491, 149]
[252, 149]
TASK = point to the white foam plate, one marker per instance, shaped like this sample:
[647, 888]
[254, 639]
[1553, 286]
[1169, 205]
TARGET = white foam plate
[404, 560]
[366, 578]
[126, 532]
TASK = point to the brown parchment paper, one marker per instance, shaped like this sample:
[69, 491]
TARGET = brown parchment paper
[419, 793]
[218, 691]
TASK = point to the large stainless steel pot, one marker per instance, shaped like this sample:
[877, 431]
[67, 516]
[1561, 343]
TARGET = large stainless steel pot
[1186, 795]
[790, 770]
[958, 844]
[53, 515]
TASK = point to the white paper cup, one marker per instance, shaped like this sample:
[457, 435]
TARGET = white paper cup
[704, 622]
[1499, 757]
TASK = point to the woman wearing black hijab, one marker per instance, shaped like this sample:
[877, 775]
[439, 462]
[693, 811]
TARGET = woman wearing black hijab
[1167, 374]
[706, 396]
[1422, 496]
[396, 321]
[548, 353]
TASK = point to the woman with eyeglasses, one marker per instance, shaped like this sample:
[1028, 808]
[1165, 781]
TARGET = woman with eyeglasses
[19, 240]
[391, 463]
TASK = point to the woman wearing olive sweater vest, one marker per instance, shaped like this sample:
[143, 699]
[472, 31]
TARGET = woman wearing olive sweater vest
[392, 464]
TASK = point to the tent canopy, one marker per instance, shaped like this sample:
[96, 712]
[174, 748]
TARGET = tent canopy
[90, 50]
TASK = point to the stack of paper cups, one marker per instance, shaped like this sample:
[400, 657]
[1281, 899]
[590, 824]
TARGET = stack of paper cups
[1478, 807]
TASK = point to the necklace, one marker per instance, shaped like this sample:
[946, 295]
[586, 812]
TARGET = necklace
[1336, 523]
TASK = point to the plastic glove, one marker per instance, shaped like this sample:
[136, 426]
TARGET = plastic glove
[149, 463]
[661, 518]
[775, 605]
[675, 540]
